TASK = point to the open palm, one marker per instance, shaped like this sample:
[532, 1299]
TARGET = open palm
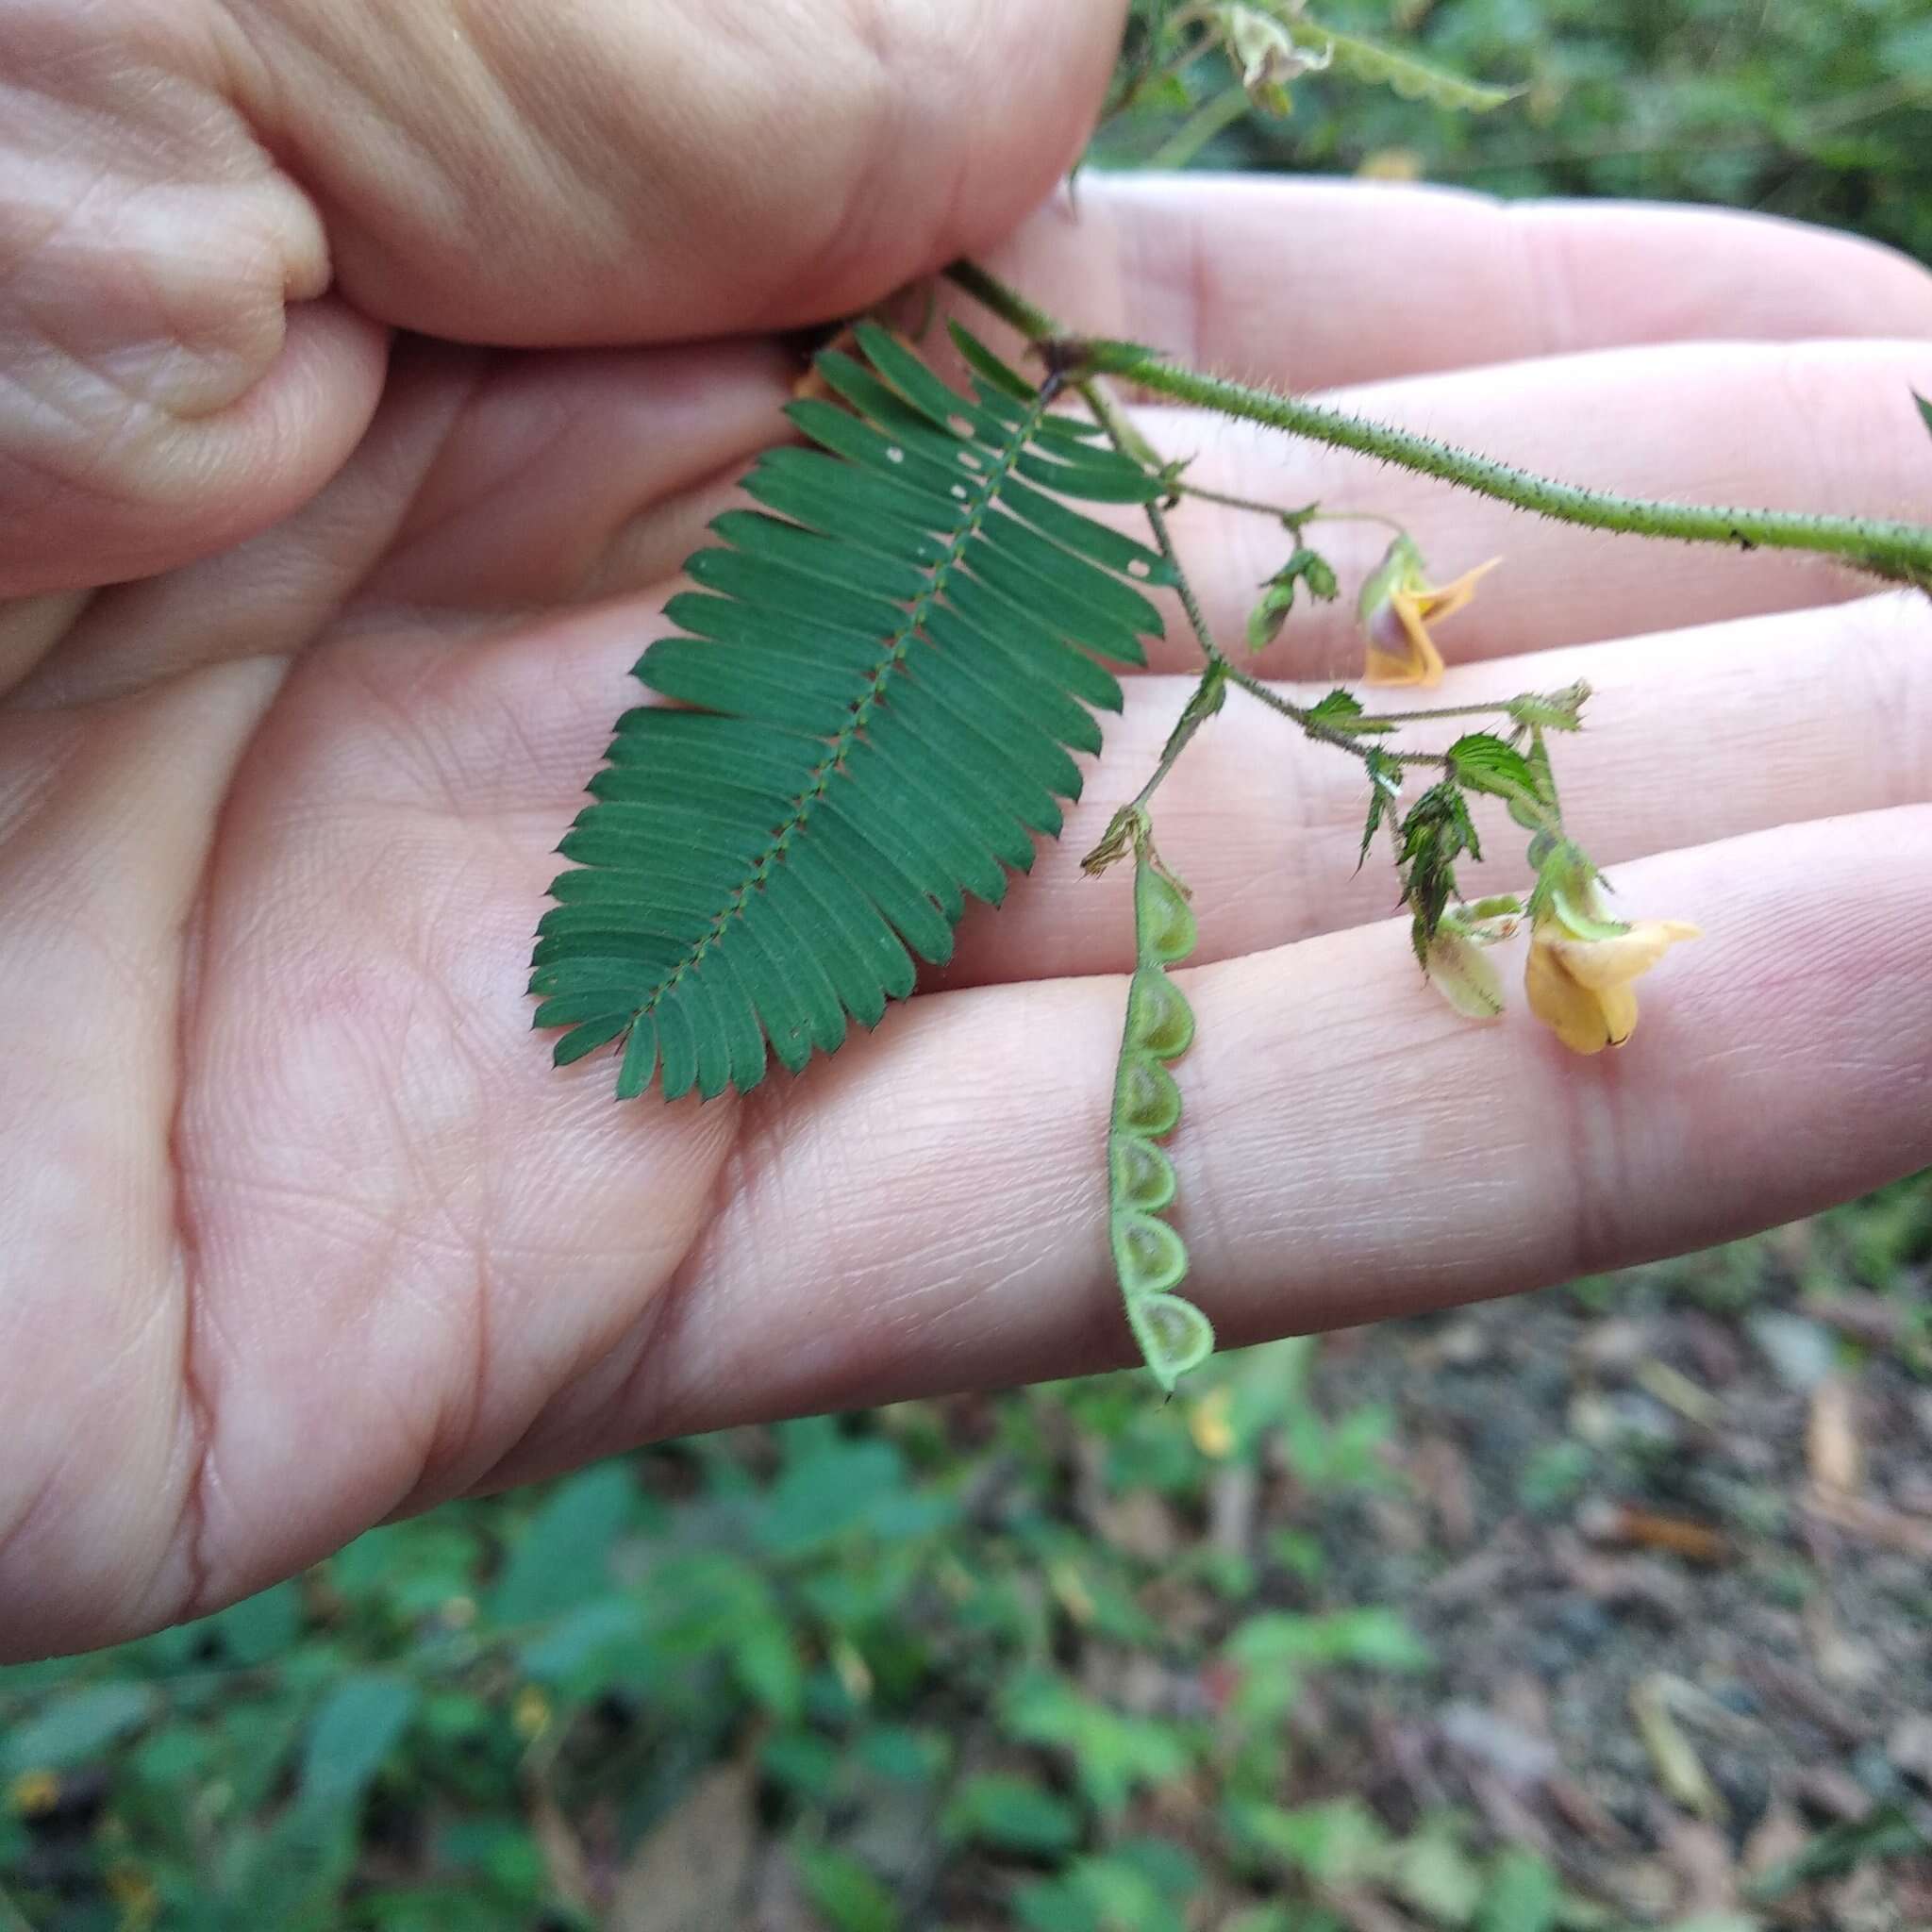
[299, 1228]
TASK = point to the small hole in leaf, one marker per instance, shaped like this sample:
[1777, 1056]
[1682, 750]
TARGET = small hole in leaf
[960, 491]
[896, 455]
[1139, 567]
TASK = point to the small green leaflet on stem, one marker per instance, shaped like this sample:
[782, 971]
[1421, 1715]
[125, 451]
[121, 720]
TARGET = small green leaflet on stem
[1924, 408]
[1306, 567]
[1436, 831]
[1540, 812]
[1551, 710]
[1483, 762]
[1341, 712]
[1385, 789]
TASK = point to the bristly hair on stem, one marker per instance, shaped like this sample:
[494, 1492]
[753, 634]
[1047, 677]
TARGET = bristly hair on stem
[1894, 551]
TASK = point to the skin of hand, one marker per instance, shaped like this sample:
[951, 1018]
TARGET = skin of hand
[368, 373]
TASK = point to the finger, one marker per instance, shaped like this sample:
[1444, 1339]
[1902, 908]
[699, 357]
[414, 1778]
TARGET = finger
[486, 485]
[1817, 426]
[609, 173]
[173, 376]
[101, 485]
[1804, 426]
[926, 1212]
[1690, 737]
[1313, 283]
[567, 475]
[107, 820]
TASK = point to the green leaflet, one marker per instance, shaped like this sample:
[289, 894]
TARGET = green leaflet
[883, 680]
[1150, 1260]
[1484, 763]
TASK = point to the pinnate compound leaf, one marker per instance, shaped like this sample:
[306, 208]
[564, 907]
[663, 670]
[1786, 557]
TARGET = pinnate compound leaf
[887, 669]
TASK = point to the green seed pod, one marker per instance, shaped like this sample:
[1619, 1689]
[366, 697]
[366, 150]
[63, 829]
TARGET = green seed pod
[1143, 1174]
[1159, 1021]
[1149, 1255]
[1163, 921]
[1145, 1100]
[1173, 1335]
[1150, 1258]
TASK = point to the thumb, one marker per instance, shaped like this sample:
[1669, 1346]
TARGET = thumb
[522, 173]
[210, 215]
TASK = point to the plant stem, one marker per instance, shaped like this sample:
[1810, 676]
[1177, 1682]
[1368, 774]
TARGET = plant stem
[1898, 552]
[1201, 704]
[1293, 519]
[1199, 129]
[1490, 711]
[1126, 439]
[1320, 733]
[1221, 669]
[1206, 695]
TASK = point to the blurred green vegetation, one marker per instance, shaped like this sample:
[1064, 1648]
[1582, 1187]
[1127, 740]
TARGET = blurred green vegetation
[991, 1661]
[981, 1663]
[1820, 111]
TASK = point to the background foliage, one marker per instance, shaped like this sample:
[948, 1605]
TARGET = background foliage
[1072, 1660]
[1822, 111]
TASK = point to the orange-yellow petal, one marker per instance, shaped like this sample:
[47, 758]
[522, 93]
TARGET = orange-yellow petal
[1618, 1005]
[1410, 609]
[1447, 599]
[1401, 652]
[1601, 964]
[1410, 612]
[1573, 1013]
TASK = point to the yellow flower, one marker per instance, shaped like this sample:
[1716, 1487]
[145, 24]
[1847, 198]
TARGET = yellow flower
[1580, 987]
[1398, 603]
[1209, 1424]
[134, 1891]
[33, 1793]
[530, 1713]
[1268, 58]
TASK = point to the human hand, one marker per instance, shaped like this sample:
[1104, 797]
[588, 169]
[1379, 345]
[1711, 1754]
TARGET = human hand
[300, 1228]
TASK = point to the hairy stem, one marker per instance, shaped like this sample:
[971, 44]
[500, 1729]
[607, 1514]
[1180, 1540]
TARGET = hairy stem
[1320, 733]
[1127, 441]
[1898, 552]
[1221, 669]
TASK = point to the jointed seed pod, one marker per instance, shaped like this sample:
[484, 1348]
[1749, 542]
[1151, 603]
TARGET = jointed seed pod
[1150, 1260]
